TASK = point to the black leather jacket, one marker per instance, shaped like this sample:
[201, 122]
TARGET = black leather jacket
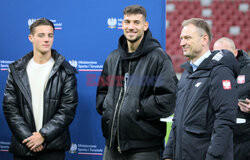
[60, 101]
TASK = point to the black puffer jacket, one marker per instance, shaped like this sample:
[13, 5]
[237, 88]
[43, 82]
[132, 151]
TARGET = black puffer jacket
[60, 101]
[242, 130]
[131, 115]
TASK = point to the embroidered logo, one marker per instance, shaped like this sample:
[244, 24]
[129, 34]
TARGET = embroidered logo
[226, 84]
[218, 56]
[198, 84]
[241, 79]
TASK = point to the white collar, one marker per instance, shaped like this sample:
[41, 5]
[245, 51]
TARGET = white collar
[204, 56]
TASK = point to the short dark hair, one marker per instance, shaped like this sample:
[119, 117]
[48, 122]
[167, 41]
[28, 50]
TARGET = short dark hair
[135, 9]
[40, 22]
[200, 23]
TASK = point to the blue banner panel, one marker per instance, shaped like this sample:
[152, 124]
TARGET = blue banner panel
[86, 32]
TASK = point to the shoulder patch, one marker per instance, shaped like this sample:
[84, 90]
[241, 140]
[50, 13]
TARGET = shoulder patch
[241, 79]
[226, 84]
[218, 56]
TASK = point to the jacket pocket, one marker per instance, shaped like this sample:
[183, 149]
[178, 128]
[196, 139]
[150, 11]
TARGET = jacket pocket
[195, 142]
[105, 124]
[196, 131]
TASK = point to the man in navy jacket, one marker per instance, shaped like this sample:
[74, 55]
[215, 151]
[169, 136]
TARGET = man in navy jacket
[205, 110]
[242, 128]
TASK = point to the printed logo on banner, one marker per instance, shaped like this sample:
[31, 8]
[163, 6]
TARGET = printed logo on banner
[73, 148]
[86, 65]
[114, 23]
[4, 64]
[58, 25]
[73, 63]
[4, 146]
[85, 149]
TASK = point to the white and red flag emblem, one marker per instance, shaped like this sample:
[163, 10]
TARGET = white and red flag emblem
[241, 79]
[226, 84]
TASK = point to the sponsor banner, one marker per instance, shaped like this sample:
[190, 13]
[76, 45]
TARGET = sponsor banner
[57, 24]
[86, 149]
[114, 23]
[4, 146]
[85, 66]
[4, 64]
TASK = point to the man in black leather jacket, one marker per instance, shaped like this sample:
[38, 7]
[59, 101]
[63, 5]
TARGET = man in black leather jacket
[136, 88]
[40, 99]
[242, 128]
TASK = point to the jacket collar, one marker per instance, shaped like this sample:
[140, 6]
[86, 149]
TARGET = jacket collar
[22, 63]
[147, 44]
[243, 58]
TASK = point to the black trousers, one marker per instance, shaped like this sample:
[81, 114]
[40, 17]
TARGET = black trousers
[113, 154]
[242, 150]
[43, 156]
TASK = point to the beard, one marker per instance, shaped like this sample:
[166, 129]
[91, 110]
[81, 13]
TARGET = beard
[138, 37]
[134, 40]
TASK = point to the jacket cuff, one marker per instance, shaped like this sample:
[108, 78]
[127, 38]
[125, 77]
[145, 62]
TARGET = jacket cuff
[43, 135]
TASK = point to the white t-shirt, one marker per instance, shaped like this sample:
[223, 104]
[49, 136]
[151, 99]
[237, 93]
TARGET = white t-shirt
[38, 75]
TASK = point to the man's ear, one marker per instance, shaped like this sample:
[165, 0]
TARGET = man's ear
[146, 25]
[205, 39]
[30, 38]
[236, 52]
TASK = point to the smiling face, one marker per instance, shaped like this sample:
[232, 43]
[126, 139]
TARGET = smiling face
[192, 41]
[134, 26]
[42, 39]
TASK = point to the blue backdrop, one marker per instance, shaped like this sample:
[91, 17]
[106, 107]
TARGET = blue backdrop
[86, 32]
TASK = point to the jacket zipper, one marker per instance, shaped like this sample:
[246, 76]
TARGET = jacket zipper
[125, 91]
[110, 143]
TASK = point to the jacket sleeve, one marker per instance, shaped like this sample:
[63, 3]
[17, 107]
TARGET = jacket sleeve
[223, 96]
[161, 102]
[66, 111]
[15, 120]
[102, 89]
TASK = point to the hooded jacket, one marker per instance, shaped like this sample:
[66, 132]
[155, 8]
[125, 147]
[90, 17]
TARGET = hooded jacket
[60, 101]
[242, 130]
[132, 99]
[205, 110]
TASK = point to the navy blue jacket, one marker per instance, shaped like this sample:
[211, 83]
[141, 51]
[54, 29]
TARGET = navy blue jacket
[242, 131]
[205, 110]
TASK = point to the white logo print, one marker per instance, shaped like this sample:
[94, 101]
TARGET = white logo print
[198, 84]
[112, 22]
